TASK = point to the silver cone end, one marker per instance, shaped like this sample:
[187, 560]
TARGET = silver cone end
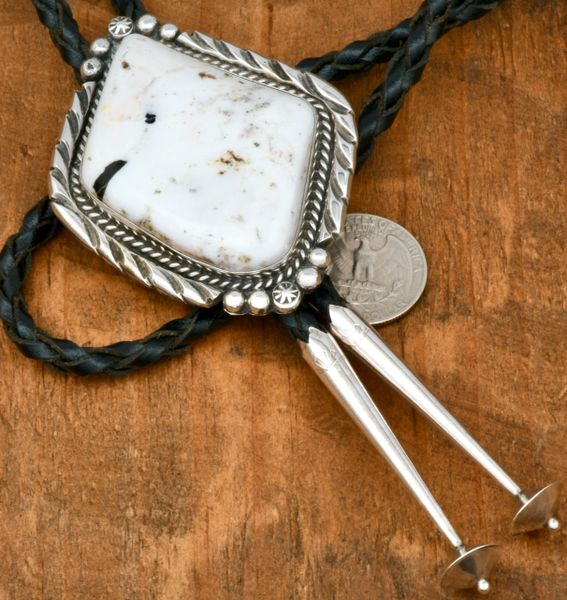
[471, 569]
[540, 510]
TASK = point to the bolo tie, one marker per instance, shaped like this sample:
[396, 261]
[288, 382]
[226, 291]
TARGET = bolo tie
[221, 178]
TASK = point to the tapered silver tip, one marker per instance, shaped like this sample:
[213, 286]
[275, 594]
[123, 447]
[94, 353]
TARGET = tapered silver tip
[483, 586]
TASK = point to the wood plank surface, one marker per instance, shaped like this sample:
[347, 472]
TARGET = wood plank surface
[230, 472]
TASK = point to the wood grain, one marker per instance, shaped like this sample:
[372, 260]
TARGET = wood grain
[230, 472]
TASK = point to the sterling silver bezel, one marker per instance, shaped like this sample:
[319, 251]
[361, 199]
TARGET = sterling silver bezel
[136, 252]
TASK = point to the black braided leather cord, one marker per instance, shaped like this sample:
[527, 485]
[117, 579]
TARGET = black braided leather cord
[38, 227]
[56, 15]
[325, 296]
[129, 8]
[299, 321]
[407, 46]
[406, 68]
[379, 48]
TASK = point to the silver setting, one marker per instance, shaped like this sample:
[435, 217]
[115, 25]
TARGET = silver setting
[120, 27]
[259, 303]
[322, 352]
[155, 264]
[147, 24]
[309, 278]
[168, 32]
[91, 69]
[100, 47]
[286, 297]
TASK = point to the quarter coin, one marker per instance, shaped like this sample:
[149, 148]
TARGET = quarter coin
[378, 267]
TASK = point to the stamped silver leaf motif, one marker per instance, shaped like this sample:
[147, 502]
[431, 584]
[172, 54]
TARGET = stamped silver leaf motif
[326, 359]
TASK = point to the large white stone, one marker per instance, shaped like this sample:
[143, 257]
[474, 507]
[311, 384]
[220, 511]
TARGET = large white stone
[215, 165]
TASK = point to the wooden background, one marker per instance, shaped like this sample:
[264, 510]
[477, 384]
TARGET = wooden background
[230, 472]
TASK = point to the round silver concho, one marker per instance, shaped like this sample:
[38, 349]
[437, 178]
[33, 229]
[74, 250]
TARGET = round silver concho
[120, 27]
[287, 297]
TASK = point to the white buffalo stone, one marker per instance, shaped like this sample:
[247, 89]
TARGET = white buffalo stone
[210, 163]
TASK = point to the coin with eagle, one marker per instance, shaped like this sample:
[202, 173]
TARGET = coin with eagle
[378, 267]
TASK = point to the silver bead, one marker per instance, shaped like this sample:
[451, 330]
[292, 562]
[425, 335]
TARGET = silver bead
[319, 258]
[168, 32]
[100, 47]
[147, 24]
[233, 302]
[259, 303]
[91, 69]
[286, 297]
[308, 278]
[120, 27]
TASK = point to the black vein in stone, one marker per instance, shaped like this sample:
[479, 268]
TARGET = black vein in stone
[103, 180]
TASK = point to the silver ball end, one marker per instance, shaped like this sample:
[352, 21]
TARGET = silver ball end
[308, 278]
[168, 32]
[553, 524]
[482, 586]
[234, 302]
[100, 47]
[147, 24]
[91, 69]
[259, 303]
[319, 258]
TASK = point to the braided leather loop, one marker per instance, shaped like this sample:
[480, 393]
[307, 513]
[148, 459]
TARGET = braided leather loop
[379, 48]
[15, 261]
[406, 67]
[56, 15]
